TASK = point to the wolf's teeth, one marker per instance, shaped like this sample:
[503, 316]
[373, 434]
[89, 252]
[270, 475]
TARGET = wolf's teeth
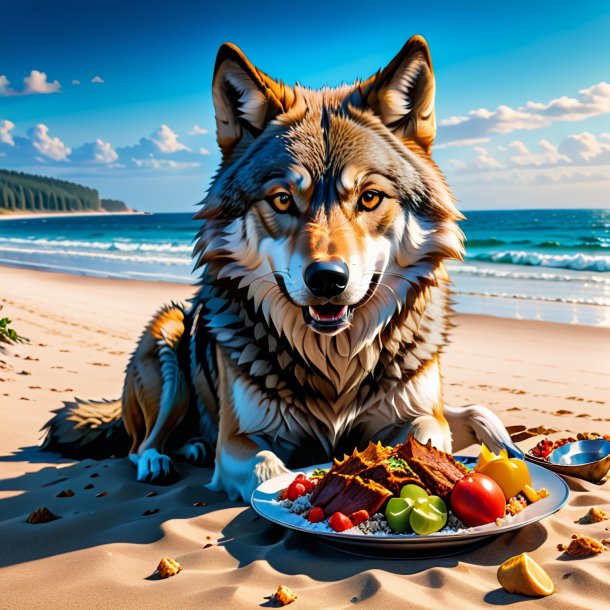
[313, 314]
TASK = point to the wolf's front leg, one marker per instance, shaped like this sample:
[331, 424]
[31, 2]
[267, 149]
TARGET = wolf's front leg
[241, 466]
[241, 463]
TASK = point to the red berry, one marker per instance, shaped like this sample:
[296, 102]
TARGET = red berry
[307, 484]
[295, 490]
[339, 522]
[315, 515]
[359, 516]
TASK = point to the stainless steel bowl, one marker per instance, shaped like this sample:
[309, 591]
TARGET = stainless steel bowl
[589, 460]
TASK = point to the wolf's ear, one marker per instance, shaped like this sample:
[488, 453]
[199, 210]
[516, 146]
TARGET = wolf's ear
[245, 99]
[402, 94]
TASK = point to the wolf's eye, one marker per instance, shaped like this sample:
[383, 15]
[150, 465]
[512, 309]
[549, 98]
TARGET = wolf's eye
[281, 202]
[369, 200]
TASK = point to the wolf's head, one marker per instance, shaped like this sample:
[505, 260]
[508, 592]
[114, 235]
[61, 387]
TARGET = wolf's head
[327, 207]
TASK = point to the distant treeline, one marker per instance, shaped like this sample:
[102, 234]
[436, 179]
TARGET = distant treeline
[114, 205]
[19, 191]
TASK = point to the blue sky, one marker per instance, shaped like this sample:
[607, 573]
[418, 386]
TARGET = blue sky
[523, 104]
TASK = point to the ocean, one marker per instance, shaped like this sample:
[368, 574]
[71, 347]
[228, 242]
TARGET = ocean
[551, 265]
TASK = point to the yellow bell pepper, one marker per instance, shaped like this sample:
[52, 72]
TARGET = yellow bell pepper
[511, 475]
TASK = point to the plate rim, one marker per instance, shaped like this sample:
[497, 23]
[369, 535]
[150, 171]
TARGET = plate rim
[476, 533]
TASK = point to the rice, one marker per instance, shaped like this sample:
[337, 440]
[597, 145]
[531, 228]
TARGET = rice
[377, 525]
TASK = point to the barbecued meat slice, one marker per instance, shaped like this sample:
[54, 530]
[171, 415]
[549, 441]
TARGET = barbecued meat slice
[358, 461]
[328, 488]
[438, 470]
[358, 495]
[393, 480]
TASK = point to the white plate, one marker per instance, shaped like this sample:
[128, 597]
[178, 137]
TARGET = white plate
[264, 502]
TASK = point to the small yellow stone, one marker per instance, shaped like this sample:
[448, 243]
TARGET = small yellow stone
[284, 595]
[168, 567]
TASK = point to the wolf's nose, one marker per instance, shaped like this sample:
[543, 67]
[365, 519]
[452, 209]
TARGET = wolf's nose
[327, 279]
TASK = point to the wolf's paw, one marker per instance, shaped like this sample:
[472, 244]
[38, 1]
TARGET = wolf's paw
[267, 466]
[154, 467]
[194, 451]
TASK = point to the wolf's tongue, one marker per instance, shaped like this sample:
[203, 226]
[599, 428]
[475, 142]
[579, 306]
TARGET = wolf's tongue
[328, 312]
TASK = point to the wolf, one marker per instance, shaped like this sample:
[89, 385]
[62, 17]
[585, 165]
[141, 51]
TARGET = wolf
[323, 303]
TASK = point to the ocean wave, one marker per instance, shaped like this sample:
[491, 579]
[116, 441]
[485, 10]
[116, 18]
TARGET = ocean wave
[121, 246]
[579, 262]
[579, 243]
[599, 301]
[473, 270]
[110, 256]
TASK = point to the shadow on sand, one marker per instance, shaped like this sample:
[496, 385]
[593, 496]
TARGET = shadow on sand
[88, 520]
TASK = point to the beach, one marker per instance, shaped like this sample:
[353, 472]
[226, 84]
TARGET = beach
[104, 549]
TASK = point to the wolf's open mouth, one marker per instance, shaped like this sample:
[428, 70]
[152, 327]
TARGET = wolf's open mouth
[328, 317]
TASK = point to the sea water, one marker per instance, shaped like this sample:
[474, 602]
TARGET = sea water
[551, 265]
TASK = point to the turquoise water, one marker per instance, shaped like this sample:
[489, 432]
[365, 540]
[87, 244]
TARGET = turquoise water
[535, 264]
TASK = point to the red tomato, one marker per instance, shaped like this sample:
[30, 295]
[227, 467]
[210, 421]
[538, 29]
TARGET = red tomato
[477, 499]
[308, 484]
[295, 490]
[300, 477]
[315, 515]
[360, 516]
[339, 522]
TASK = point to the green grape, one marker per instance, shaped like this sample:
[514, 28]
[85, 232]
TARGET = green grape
[397, 513]
[414, 492]
[428, 516]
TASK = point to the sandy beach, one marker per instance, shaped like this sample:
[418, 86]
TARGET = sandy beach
[103, 551]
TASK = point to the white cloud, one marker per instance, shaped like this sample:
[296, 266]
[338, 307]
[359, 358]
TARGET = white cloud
[484, 160]
[50, 147]
[594, 101]
[76, 82]
[548, 156]
[4, 86]
[167, 140]
[204, 151]
[585, 146]
[5, 128]
[197, 130]
[37, 83]
[164, 163]
[98, 152]
[97, 79]
[467, 142]
[456, 164]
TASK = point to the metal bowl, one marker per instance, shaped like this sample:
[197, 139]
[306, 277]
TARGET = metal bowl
[589, 460]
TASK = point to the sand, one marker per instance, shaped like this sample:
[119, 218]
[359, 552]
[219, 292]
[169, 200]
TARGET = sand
[103, 551]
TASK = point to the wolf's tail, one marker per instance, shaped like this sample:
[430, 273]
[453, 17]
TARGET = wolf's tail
[87, 429]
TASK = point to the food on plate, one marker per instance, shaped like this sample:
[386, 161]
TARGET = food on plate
[315, 514]
[41, 515]
[410, 489]
[168, 567]
[522, 575]
[416, 511]
[429, 515]
[284, 596]
[366, 480]
[595, 515]
[582, 546]
[340, 522]
[477, 499]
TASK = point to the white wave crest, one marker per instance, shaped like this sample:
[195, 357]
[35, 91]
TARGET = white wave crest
[121, 246]
[110, 256]
[579, 262]
[474, 270]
